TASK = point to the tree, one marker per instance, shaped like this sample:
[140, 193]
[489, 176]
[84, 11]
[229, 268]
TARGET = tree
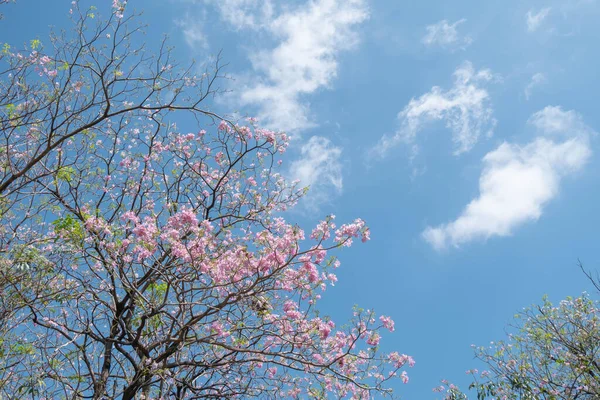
[553, 354]
[80, 84]
[83, 83]
[142, 258]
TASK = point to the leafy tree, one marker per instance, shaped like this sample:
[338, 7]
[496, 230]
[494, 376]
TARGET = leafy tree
[147, 259]
[552, 353]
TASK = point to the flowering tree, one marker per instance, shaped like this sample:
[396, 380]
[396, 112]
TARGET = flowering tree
[80, 84]
[144, 260]
[555, 354]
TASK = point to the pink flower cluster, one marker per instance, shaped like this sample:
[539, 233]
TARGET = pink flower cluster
[346, 232]
[119, 8]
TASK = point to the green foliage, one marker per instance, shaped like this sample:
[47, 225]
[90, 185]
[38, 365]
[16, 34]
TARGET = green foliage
[158, 290]
[35, 44]
[552, 354]
[65, 174]
[10, 110]
[70, 228]
[22, 348]
[4, 204]
[27, 257]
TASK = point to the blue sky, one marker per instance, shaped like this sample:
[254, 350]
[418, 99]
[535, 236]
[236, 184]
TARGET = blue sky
[464, 133]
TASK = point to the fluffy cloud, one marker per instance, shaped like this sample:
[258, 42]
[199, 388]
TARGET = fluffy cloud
[518, 181]
[446, 35]
[465, 108]
[534, 19]
[555, 121]
[241, 14]
[536, 80]
[318, 167]
[192, 33]
[305, 60]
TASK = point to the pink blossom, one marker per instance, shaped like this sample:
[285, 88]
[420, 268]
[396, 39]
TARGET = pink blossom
[218, 329]
[130, 216]
[400, 360]
[325, 329]
[224, 126]
[387, 323]
[311, 271]
[373, 339]
[404, 377]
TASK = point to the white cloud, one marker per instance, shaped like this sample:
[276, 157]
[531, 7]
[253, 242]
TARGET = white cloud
[318, 167]
[552, 120]
[239, 14]
[534, 20]
[518, 181]
[192, 31]
[305, 60]
[299, 44]
[536, 80]
[194, 37]
[465, 108]
[446, 35]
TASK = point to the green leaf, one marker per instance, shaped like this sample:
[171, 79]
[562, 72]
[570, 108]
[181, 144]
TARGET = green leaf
[68, 227]
[36, 44]
[65, 174]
